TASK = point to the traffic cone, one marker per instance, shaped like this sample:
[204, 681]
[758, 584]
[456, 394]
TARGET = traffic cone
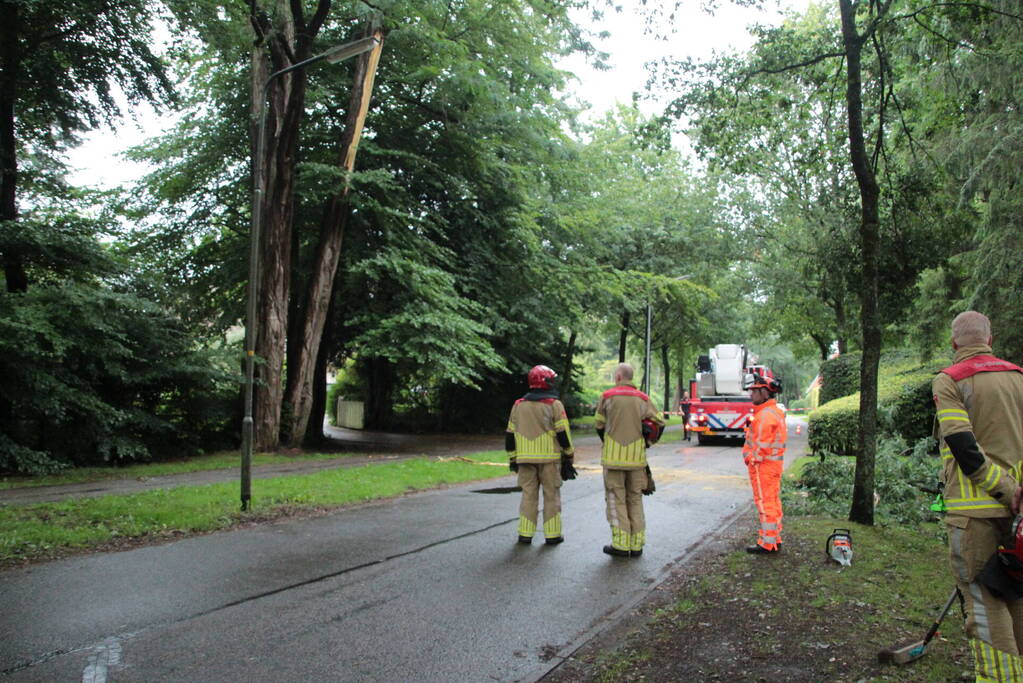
[799, 429]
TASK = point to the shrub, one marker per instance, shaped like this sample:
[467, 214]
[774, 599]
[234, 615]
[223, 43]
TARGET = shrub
[96, 376]
[840, 377]
[904, 407]
[901, 475]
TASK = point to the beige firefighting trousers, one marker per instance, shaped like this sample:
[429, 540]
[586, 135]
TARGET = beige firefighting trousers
[994, 627]
[624, 492]
[533, 477]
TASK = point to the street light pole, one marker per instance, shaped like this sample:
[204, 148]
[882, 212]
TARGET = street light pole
[333, 55]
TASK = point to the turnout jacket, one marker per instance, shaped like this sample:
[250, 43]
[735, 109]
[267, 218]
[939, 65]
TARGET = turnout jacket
[979, 427]
[538, 430]
[619, 420]
[765, 434]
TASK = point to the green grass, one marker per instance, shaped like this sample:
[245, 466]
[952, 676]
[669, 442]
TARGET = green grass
[45, 530]
[794, 471]
[201, 463]
[815, 619]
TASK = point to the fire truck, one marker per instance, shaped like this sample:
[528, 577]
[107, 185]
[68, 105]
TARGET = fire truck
[718, 405]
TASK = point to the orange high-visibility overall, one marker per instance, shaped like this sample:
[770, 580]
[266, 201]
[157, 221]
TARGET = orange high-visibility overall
[764, 455]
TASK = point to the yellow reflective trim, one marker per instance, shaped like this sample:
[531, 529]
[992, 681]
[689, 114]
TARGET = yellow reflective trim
[995, 472]
[953, 411]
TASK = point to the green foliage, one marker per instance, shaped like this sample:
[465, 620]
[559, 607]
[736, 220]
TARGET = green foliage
[904, 406]
[94, 373]
[901, 471]
[840, 377]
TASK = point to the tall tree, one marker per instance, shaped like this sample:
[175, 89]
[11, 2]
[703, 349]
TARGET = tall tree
[284, 36]
[59, 66]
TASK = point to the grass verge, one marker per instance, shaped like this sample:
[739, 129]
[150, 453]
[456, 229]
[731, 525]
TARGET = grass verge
[794, 617]
[200, 463]
[48, 530]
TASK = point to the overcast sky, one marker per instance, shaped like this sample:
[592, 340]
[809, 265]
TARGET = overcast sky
[694, 34]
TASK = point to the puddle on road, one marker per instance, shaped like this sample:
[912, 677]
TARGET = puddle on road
[500, 489]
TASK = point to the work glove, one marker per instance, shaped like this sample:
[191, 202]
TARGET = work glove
[512, 464]
[567, 470]
[650, 487]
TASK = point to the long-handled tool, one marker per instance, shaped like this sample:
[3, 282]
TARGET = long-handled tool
[909, 652]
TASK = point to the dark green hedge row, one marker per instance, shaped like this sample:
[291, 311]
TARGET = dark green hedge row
[840, 377]
[905, 408]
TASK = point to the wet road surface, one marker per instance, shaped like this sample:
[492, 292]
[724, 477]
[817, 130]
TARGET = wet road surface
[428, 587]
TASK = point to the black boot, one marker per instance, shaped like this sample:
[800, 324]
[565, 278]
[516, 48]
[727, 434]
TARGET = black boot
[759, 550]
[556, 540]
[611, 550]
[635, 553]
[525, 540]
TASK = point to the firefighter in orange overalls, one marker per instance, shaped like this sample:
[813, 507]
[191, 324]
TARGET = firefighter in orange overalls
[764, 455]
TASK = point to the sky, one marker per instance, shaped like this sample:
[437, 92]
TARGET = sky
[694, 33]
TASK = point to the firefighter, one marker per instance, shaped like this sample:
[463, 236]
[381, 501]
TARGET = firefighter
[979, 427]
[686, 407]
[539, 446]
[764, 455]
[621, 413]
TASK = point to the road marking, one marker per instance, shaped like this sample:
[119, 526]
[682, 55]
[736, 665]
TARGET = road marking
[102, 658]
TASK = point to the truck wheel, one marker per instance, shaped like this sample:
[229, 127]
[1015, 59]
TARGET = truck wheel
[702, 440]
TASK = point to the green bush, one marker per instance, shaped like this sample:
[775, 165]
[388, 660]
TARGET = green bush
[840, 377]
[902, 474]
[95, 373]
[904, 407]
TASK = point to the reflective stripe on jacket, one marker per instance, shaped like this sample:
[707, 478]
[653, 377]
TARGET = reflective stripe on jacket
[622, 410]
[535, 425]
[984, 396]
[766, 434]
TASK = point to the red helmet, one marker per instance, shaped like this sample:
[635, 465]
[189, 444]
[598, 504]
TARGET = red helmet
[651, 431]
[762, 378]
[540, 377]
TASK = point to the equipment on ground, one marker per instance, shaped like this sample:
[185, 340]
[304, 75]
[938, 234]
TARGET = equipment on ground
[719, 403]
[909, 652]
[839, 547]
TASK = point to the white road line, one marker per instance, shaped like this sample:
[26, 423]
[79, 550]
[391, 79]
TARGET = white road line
[103, 657]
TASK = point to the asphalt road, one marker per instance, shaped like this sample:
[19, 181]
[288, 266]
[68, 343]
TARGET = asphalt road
[428, 587]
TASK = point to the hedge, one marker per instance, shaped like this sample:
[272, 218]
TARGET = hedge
[840, 377]
[905, 407]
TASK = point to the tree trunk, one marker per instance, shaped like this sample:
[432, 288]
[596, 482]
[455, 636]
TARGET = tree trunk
[289, 42]
[328, 252]
[667, 376]
[318, 408]
[623, 337]
[822, 345]
[379, 407]
[10, 64]
[841, 322]
[862, 510]
[569, 359]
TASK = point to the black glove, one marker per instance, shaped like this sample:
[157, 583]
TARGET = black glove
[650, 487]
[567, 471]
[512, 464]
